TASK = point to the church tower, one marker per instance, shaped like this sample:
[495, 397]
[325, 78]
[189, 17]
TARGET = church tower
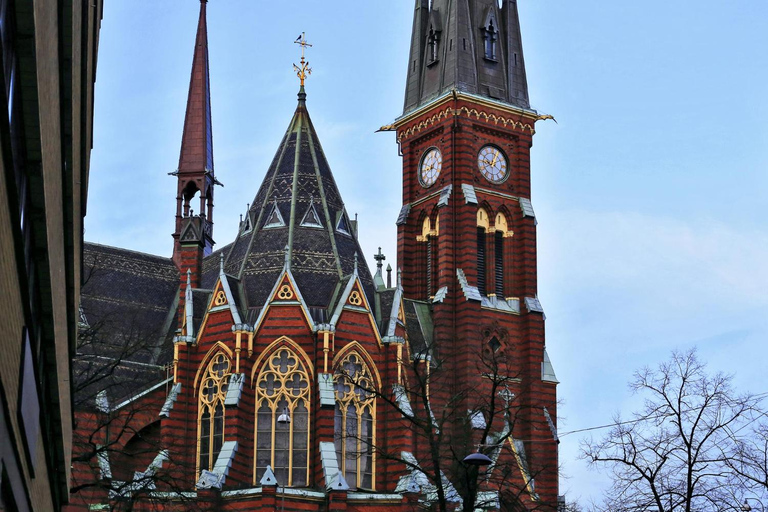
[467, 229]
[195, 173]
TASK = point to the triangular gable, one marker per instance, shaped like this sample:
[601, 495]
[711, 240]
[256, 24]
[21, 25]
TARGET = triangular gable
[189, 233]
[222, 298]
[274, 218]
[291, 294]
[354, 298]
[311, 219]
[285, 291]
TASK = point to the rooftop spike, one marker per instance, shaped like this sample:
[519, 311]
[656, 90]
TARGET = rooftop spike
[188, 303]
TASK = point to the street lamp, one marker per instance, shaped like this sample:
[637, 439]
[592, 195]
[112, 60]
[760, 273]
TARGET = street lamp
[746, 508]
[479, 458]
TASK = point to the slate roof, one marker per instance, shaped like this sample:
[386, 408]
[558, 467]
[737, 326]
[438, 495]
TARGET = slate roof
[298, 179]
[418, 324]
[128, 296]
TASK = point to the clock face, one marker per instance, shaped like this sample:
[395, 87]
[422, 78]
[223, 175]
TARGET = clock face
[492, 164]
[430, 166]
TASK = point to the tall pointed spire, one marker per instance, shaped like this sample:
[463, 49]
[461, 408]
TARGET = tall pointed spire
[472, 46]
[195, 173]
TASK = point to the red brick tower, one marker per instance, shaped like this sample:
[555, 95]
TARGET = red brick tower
[467, 230]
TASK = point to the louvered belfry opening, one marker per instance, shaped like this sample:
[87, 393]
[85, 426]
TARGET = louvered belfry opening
[430, 291]
[499, 266]
[481, 260]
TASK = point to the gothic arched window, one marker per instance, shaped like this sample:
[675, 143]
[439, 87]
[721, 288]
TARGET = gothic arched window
[432, 44]
[355, 421]
[490, 34]
[210, 419]
[282, 419]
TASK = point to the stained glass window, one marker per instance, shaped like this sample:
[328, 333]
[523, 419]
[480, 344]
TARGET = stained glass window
[213, 391]
[282, 419]
[355, 421]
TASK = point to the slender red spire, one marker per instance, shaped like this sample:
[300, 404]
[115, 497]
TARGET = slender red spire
[197, 142]
[195, 173]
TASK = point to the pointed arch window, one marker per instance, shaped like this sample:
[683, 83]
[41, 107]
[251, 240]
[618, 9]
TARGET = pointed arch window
[210, 423]
[482, 229]
[433, 40]
[355, 421]
[490, 35]
[282, 419]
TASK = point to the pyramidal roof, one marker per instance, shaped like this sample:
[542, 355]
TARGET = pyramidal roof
[197, 140]
[297, 209]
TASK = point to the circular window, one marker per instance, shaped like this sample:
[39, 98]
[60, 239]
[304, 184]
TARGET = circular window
[492, 164]
[430, 167]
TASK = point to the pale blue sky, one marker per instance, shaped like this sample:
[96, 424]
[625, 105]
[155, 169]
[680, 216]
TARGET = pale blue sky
[650, 192]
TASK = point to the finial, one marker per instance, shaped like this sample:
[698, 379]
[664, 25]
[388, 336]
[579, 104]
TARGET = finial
[221, 263]
[287, 265]
[189, 275]
[389, 275]
[379, 259]
[355, 263]
[302, 71]
[399, 278]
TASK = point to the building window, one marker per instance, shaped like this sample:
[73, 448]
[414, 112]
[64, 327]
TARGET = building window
[432, 46]
[501, 232]
[490, 34]
[482, 229]
[210, 426]
[282, 419]
[355, 421]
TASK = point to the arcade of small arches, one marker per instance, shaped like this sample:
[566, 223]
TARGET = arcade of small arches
[282, 382]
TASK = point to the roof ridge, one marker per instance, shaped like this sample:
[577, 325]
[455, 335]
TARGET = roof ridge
[122, 249]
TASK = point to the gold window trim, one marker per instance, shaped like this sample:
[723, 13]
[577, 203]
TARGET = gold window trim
[366, 378]
[219, 377]
[270, 369]
[482, 219]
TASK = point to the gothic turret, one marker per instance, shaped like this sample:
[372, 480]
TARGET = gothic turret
[195, 173]
[472, 46]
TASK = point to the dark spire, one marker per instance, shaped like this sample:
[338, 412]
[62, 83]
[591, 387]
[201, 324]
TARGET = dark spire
[473, 46]
[195, 173]
[314, 233]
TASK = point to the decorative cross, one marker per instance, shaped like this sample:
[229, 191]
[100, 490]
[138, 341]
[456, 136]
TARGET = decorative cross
[379, 258]
[304, 70]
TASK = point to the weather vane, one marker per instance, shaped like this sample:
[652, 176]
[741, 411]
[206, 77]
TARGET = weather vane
[304, 70]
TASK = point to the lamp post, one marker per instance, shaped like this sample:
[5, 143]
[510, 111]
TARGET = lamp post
[746, 508]
[284, 420]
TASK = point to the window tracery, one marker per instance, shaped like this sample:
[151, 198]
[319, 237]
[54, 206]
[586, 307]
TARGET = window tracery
[213, 391]
[282, 419]
[355, 421]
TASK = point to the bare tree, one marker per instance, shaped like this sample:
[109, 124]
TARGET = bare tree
[450, 420]
[673, 455]
[120, 385]
[747, 456]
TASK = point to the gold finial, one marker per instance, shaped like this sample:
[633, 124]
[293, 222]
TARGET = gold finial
[304, 70]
